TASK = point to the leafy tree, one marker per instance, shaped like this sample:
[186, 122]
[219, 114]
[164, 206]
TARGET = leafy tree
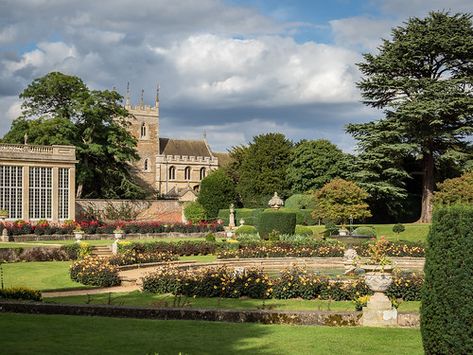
[422, 78]
[456, 190]
[217, 191]
[195, 212]
[237, 155]
[263, 169]
[339, 199]
[380, 166]
[60, 109]
[314, 163]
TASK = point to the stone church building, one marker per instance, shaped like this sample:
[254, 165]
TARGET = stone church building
[171, 168]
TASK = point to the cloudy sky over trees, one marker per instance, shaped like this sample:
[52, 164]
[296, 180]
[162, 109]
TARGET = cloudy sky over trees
[231, 68]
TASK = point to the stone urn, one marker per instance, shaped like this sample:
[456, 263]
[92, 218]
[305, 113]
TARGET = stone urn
[379, 311]
[276, 202]
[78, 235]
[378, 281]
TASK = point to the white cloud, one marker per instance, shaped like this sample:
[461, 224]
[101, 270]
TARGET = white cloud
[407, 8]
[47, 56]
[10, 106]
[267, 70]
[361, 32]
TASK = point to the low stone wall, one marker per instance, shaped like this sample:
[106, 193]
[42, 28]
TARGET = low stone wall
[321, 318]
[134, 236]
[165, 211]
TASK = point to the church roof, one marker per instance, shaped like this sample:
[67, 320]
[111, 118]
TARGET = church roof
[197, 148]
[224, 159]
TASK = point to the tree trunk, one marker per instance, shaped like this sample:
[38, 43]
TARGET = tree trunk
[427, 188]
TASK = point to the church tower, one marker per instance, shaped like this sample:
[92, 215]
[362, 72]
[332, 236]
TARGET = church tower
[144, 126]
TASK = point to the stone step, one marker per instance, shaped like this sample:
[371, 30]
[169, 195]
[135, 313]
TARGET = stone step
[101, 251]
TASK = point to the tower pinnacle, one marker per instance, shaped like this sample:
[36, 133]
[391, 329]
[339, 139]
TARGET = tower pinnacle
[127, 98]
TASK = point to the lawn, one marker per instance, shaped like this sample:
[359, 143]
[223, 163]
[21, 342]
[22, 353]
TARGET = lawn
[199, 258]
[56, 334]
[4, 245]
[413, 232]
[138, 298]
[47, 275]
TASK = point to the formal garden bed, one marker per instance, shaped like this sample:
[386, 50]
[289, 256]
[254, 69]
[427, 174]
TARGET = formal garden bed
[50, 231]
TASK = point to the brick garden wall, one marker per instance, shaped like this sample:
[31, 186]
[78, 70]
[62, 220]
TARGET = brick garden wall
[165, 211]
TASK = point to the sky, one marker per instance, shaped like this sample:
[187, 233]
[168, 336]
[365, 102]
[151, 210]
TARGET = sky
[232, 69]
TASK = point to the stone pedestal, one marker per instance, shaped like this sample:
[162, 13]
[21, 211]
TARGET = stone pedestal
[118, 235]
[231, 220]
[5, 237]
[379, 312]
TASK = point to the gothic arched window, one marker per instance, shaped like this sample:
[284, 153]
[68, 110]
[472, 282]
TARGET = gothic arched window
[172, 173]
[143, 130]
[187, 173]
[202, 173]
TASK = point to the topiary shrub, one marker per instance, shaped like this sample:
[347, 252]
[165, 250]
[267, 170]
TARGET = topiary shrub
[210, 238]
[303, 230]
[245, 230]
[303, 217]
[194, 212]
[365, 231]
[250, 215]
[300, 201]
[276, 221]
[447, 294]
[398, 228]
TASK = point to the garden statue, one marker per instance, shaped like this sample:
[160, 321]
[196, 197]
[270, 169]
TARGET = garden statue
[118, 234]
[349, 260]
[276, 202]
[231, 222]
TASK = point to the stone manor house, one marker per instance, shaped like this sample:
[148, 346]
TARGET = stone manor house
[38, 182]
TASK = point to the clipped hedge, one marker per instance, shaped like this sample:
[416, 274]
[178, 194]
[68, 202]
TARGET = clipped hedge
[303, 230]
[250, 215]
[303, 216]
[245, 230]
[447, 307]
[365, 231]
[306, 248]
[276, 221]
[20, 293]
[181, 248]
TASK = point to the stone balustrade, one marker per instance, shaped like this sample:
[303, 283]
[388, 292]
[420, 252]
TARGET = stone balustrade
[37, 152]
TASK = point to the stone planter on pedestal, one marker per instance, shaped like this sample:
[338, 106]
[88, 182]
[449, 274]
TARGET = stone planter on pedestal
[379, 312]
[3, 216]
[78, 235]
[118, 234]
